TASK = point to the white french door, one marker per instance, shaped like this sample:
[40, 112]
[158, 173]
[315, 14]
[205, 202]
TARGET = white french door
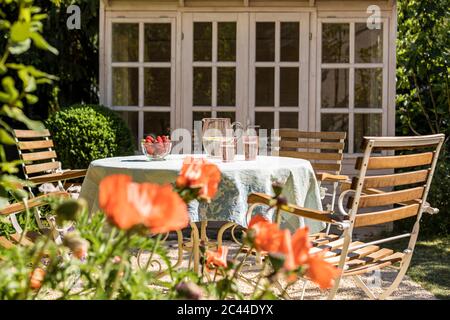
[279, 70]
[250, 67]
[215, 60]
[164, 73]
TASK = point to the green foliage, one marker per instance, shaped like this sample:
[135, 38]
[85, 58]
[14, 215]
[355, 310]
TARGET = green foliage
[83, 133]
[20, 27]
[77, 64]
[423, 90]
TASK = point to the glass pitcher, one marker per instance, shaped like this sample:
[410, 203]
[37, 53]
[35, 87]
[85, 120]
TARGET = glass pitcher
[216, 132]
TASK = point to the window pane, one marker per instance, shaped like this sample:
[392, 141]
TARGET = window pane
[229, 115]
[157, 87]
[125, 42]
[226, 87]
[131, 119]
[202, 86]
[265, 41]
[199, 115]
[334, 89]
[289, 120]
[368, 88]
[368, 44]
[157, 42]
[125, 90]
[288, 87]
[265, 120]
[264, 87]
[157, 123]
[202, 41]
[335, 43]
[336, 123]
[226, 33]
[290, 41]
[366, 125]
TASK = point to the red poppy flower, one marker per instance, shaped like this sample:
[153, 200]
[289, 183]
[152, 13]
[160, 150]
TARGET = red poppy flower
[320, 271]
[217, 258]
[199, 173]
[128, 204]
[301, 246]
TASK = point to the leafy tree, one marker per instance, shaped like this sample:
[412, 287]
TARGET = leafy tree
[19, 82]
[423, 90]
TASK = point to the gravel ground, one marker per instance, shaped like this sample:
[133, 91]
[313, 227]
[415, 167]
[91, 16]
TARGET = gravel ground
[408, 289]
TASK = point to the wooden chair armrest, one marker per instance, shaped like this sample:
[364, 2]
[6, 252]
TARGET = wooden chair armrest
[323, 216]
[324, 176]
[32, 203]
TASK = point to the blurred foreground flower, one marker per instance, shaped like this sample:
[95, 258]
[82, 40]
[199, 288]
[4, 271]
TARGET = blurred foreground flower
[267, 236]
[217, 258]
[36, 278]
[201, 174]
[128, 204]
[189, 290]
[76, 244]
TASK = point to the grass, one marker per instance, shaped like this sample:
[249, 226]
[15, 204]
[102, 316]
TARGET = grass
[430, 265]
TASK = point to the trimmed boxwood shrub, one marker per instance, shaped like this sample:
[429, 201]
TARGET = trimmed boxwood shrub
[83, 133]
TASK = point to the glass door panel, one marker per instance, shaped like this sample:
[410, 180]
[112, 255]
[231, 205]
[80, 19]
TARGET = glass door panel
[214, 66]
[278, 69]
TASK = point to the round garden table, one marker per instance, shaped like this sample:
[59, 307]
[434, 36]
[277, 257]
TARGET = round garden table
[239, 179]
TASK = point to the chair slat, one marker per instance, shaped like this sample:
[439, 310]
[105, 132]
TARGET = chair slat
[368, 219]
[54, 177]
[35, 145]
[34, 156]
[394, 180]
[287, 133]
[396, 162]
[388, 198]
[312, 155]
[42, 167]
[31, 133]
[5, 243]
[312, 145]
[326, 166]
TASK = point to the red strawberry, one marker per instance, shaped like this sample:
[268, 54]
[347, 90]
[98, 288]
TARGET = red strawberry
[164, 139]
[159, 139]
[150, 149]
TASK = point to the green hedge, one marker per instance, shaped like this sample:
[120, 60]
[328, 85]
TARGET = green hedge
[83, 133]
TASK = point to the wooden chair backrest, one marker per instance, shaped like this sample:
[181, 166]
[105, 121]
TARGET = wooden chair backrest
[406, 189]
[36, 150]
[325, 150]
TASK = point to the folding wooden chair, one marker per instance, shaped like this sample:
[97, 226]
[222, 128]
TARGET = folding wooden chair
[17, 208]
[40, 163]
[323, 149]
[375, 198]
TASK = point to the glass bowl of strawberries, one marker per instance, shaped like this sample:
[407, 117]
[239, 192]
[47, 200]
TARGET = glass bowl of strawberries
[156, 148]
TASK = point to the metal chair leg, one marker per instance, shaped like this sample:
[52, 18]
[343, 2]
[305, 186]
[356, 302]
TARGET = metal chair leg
[195, 247]
[222, 230]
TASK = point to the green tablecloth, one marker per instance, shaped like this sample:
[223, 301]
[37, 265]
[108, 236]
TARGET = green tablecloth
[239, 179]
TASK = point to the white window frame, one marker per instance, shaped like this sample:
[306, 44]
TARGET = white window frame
[141, 65]
[303, 65]
[351, 111]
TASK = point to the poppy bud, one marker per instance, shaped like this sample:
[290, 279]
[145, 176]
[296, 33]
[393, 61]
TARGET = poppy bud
[189, 290]
[277, 187]
[70, 210]
[36, 278]
[20, 194]
[76, 244]
[277, 261]
[116, 260]
[281, 201]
